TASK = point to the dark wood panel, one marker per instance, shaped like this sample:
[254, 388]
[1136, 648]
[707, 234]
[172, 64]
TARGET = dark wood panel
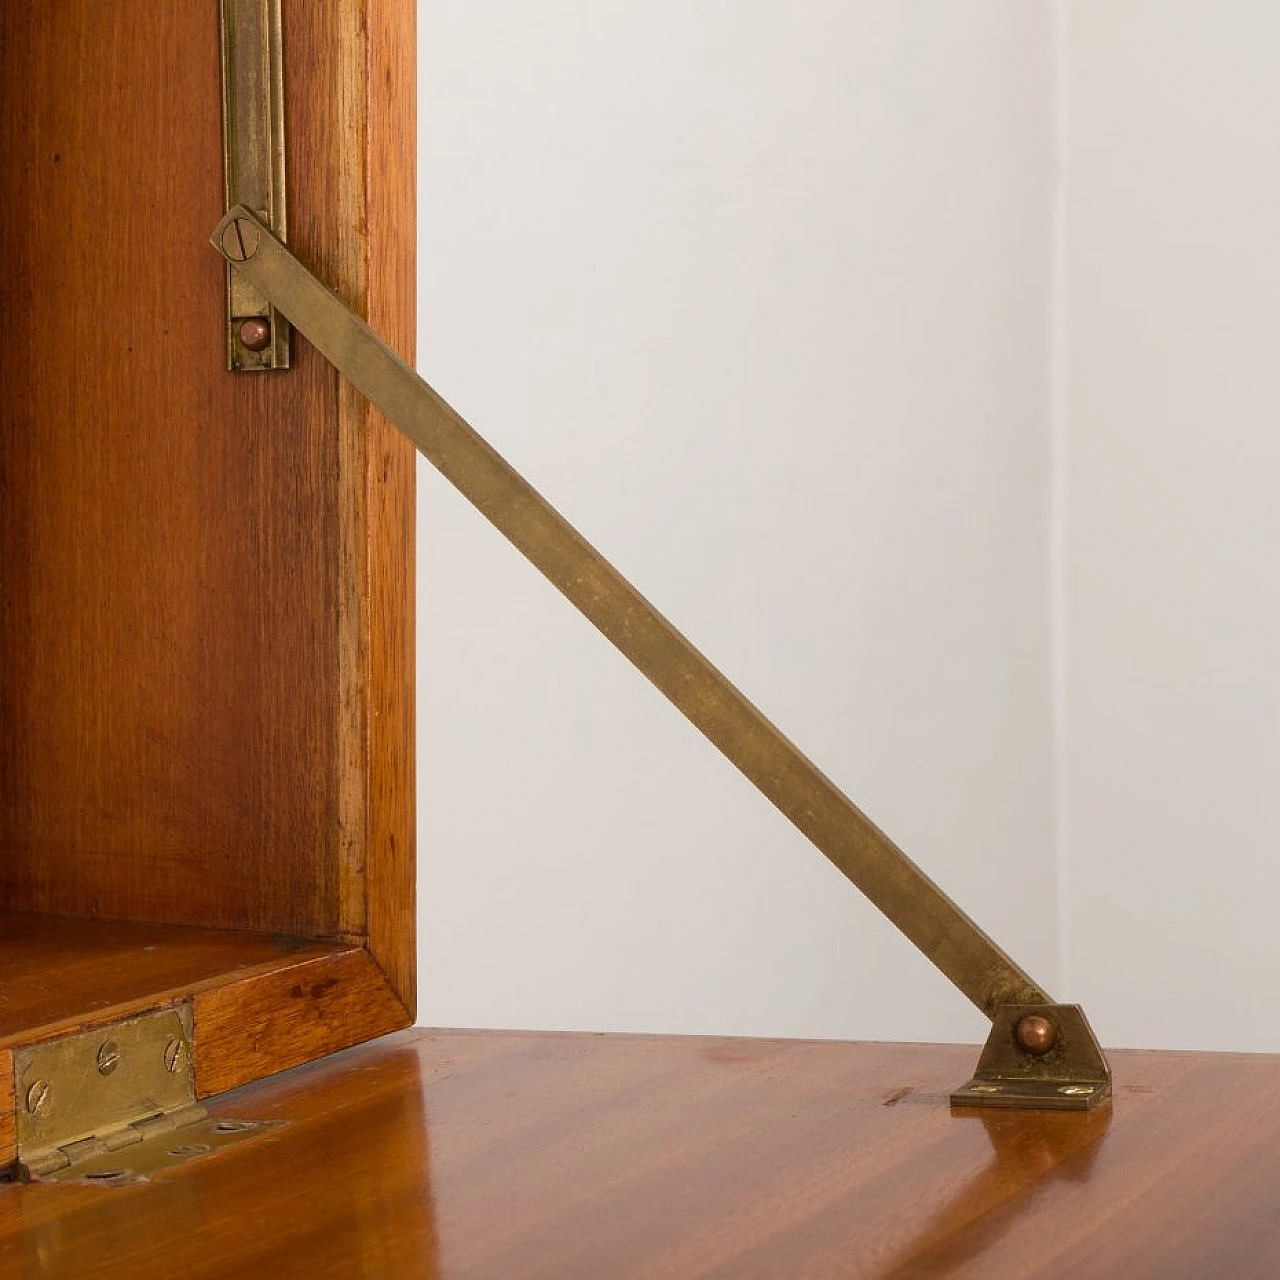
[57, 975]
[185, 557]
[467, 1155]
[274, 1020]
[8, 1111]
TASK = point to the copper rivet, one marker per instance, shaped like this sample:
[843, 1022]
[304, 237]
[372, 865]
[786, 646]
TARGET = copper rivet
[1036, 1034]
[255, 334]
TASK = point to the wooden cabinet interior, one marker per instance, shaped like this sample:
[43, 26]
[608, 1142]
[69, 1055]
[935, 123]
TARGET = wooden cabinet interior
[205, 672]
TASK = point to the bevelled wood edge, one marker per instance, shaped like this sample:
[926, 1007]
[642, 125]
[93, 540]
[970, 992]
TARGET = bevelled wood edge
[389, 505]
[163, 995]
[8, 1111]
[279, 1020]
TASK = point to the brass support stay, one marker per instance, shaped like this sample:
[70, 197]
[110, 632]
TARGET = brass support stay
[870, 860]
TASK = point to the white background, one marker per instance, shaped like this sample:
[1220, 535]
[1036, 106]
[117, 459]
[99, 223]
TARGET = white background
[916, 360]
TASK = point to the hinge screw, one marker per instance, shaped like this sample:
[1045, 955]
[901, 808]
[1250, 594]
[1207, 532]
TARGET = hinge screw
[173, 1053]
[108, 1057]
[38, 1096]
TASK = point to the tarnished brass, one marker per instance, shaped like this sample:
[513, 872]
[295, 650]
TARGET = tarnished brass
[1071, 1074]
[148, 1146]
[253, 167]
[115, 1103]
[100, 1080]
[946, 935]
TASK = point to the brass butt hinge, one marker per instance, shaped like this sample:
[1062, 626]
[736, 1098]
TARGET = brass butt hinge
[115, 1104]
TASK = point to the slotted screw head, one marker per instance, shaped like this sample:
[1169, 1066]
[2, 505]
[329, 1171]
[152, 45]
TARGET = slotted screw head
[240, 239]
[38, 1096]
[108, 1057]
[173, 1055]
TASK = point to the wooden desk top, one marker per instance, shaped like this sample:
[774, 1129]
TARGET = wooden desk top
[522, 1156]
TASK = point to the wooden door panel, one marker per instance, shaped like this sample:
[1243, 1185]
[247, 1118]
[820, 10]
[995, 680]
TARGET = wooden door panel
[205, 661]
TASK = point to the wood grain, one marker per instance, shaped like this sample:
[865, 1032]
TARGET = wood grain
[59, 975]
[275, 1020]
[389, 505]
[183, 700]
[470, 1155]
[8, 1111]
[205, 689]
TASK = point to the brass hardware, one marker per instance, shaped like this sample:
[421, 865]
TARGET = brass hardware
[1036, 1034]
[108, 1058]
[175, 1055]
[114, 1109]
[1065, 1070]
[253, 167]
[239, 241]
[937, 926]
[255, 334]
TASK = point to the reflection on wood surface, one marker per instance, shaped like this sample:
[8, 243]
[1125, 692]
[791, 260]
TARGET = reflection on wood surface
[514, 1155]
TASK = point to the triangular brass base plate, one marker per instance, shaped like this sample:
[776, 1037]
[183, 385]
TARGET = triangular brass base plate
[1071, 1074]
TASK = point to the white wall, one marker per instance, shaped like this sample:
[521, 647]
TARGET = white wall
[756, 294]
[1173, 405]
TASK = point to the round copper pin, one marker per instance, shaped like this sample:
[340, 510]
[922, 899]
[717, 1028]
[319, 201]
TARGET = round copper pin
[1036, 1034]
[255, 334]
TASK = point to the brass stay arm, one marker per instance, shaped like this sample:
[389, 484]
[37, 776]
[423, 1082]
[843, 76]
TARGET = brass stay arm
[930, 919]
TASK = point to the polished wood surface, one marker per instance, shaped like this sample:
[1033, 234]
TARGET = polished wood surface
[468, 1155]
[205, 664]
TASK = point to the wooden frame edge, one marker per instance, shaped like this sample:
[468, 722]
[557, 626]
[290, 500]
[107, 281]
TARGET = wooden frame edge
[8, 1110]
[274, 1021]
[390, 202]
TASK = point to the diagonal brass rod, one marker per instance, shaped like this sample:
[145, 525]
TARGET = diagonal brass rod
[945, 934]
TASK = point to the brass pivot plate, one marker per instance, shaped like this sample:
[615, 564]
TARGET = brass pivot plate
[116, 1103]
[1071, 1075]
[253, 167]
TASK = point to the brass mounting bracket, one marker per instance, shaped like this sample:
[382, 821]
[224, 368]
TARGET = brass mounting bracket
[253, 168]
[1038, 1056]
